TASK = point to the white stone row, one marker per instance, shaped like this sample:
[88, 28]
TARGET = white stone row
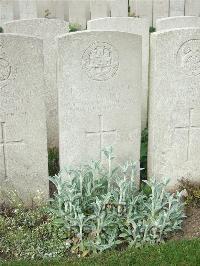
[98, 79]
[74, 11]
[157, 9]
[80, 11]
[95, 88]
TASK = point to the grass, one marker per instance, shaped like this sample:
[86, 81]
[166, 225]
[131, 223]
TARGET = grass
[171, 253]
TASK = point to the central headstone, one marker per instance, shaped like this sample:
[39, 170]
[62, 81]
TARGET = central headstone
[99, 83]
[46, 29]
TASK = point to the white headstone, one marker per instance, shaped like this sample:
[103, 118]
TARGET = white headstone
[160, 9]
[46, 29]
[51, 8]
[99, 83]
[23, 143]
[174, 114]
[192, 8]
[46, 8]
[99, 9]
[60, 9]
[144, 8]
[78, 13]
[27, 9]
[138, 26]
[119, 8]
[15, 10]
[6, 11]
[177, 8]
[177, 22]
[132, 6]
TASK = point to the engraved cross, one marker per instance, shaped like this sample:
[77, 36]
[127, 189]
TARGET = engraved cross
[100, 133]
[4, 144]
[188, 129]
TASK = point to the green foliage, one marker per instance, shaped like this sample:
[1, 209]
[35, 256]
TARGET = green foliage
[29, 234]
[193, 191]
[53, 165]
[53, 161]
[74, 27]
[152, 29]
[132, 14]
[1, 30]
[146, 189]
[143, 154]
[101, 208]
[47, 13]
[95, 208]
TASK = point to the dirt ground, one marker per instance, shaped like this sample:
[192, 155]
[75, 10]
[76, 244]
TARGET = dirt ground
[191, 225]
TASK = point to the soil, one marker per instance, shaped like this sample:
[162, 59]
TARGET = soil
[191, 225]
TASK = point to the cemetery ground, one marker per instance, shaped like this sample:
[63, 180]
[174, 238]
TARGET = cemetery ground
[172, 253]
[79, 91]
[32, 232]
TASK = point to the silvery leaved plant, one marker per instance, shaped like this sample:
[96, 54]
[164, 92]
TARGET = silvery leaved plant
[101, 207]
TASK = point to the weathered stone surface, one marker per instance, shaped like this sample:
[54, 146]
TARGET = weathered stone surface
[192, 7]
[78, 12]
[144, 8]
[23, 143]
[6, 11]
[60, 9]
[136, 26]
[99, 9]
[119, 8]
[46, 9]
[177, 8]
[132, 5]
[27, 9]
[177, 22]
[52, 8]
[174, 115]
[99, 83]
[46, 29]
[160, 10]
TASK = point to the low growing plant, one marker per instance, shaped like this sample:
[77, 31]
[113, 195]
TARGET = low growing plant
[193, 191]
[47, 13]
[143, 153]
[101, 207]
[53, 161]
[53, 167]
[29, 234]
[74, 27]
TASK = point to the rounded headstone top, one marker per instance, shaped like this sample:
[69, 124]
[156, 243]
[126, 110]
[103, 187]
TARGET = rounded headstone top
[177, 22]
